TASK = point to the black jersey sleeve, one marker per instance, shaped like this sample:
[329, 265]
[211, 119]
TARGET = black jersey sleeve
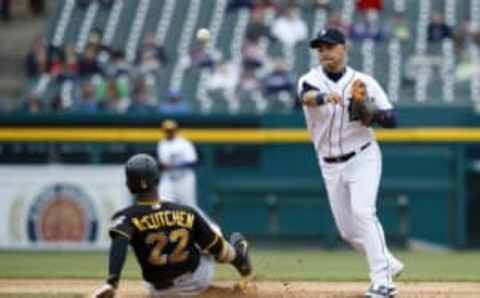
[121, 226]
[211, 242]
[117, 256]
[204, 235]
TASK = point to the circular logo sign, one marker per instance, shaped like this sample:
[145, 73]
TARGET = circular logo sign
[62, 213]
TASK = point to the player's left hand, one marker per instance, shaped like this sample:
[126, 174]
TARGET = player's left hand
[105, 291]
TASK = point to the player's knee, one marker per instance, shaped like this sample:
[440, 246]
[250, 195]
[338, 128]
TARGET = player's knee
[364, 215]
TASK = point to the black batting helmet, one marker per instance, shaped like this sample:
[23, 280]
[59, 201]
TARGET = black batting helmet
[142, 173]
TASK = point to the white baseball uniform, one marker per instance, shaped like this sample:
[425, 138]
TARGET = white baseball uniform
[178, 184]
[353, 167]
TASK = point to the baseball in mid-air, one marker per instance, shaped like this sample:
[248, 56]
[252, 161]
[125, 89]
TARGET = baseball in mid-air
[203, 35]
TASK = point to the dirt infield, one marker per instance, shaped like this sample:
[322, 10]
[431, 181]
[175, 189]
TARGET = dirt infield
[130, 289]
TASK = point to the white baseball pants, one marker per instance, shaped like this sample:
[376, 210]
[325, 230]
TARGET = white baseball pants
[182, 190]
[352, 188]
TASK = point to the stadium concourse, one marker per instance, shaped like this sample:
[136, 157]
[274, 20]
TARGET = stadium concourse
[141, 56]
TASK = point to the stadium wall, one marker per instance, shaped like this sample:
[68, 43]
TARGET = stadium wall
[263, 168]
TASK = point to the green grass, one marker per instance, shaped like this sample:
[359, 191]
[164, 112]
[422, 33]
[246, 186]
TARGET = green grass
[270, 264]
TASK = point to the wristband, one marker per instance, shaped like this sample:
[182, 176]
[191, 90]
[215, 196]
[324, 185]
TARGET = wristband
[320, 99]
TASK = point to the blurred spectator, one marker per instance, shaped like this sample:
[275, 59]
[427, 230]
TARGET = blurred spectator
[279, 80]
[174, 104]
[257, 29]
[368, 27]
[140, 102]
[88, 64]
[87, 102]
[201, 57]
[56, 62]
[399, 28]
[336, 21]
[248, 85]
[32, 104]
[148, 64]
[151, 57]
[118, 65]
[239, 4]
[265, 6]
[37, 7]
[438, 29]
[114, 102]
[289, 28]
[71, 62]
[322, 4]
[253, 56]
[36, 61]
[152, 47]
[95, 38]
[6, 9]
[366, 6]
[224, 77]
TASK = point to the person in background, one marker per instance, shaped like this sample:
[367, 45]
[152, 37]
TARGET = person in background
[176, 158]
[174, 104]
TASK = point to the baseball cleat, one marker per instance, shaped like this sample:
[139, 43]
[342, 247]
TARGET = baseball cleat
[242, 260]
[377, 291]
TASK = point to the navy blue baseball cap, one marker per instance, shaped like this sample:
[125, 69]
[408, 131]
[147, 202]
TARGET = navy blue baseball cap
[330, 36]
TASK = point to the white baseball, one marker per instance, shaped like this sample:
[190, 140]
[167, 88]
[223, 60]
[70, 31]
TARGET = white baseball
[203, 35]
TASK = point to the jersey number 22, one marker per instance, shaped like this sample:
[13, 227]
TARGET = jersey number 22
[160, 240]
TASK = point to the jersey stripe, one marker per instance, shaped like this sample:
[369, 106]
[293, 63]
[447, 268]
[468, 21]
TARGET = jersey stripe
[120, 233]
[214, 241]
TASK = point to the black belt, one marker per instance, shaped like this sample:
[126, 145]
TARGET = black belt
[345, 157]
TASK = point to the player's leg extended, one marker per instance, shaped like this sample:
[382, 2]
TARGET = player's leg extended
[363, 174]
[339, 200]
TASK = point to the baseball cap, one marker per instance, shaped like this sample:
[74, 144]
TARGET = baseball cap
[169, 124]
[329, 35]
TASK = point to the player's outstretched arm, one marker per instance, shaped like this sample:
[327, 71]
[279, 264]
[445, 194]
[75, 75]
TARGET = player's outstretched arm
[116, 261]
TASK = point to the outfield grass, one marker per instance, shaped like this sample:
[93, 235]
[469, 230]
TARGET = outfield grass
[270, 264]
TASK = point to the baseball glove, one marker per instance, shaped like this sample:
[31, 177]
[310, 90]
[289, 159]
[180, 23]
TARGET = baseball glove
[362, 108]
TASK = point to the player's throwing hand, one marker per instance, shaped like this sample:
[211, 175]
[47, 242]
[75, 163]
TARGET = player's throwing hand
[313, 98]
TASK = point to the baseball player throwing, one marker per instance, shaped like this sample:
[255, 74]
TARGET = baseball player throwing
[340, 104]
[174, 244]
